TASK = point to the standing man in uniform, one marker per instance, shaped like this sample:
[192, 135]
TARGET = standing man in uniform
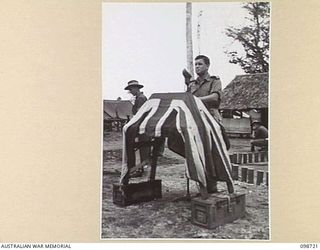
[134, 89]
[208, 89]
[260, 136]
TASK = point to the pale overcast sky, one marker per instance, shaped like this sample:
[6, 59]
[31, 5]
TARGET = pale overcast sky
[147, 42]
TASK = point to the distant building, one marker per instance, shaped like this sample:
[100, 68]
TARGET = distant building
[246, 95]
[116, 113]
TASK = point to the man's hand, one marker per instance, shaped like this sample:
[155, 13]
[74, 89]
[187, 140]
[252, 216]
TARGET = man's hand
[187, 76]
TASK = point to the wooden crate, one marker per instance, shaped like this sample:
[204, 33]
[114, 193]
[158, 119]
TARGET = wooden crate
[217, 210]
[136, 192]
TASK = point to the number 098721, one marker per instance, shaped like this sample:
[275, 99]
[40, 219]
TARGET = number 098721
[308, 246]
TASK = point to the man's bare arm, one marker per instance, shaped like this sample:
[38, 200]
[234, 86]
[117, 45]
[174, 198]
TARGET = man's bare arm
[212, 98]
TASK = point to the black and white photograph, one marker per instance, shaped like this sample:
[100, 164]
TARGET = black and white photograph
[185, 89]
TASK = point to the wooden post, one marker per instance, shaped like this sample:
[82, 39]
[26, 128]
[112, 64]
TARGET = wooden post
[188, 188]
[154, 159]
[189, 38]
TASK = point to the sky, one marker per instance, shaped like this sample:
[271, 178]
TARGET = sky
[147, 42]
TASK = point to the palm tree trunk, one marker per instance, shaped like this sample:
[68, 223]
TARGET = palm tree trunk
[189, 38]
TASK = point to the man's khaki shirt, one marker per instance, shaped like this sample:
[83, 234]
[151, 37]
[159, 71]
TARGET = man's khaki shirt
[209, 85]
[139, 101]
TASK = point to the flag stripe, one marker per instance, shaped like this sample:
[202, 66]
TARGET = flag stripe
[162, 120]
[154, 107]
[192, 132]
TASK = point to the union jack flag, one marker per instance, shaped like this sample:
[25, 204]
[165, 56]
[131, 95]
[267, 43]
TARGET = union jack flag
[191, 130]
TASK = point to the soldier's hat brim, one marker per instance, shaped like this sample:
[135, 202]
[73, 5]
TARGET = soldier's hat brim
[255, 122]
[133, 83]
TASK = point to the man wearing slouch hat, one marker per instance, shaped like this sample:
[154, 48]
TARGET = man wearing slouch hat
[134, 88]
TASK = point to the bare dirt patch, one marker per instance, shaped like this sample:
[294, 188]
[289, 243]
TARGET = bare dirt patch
[166, 218]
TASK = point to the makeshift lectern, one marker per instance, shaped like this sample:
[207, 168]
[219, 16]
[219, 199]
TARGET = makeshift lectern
[192, 132]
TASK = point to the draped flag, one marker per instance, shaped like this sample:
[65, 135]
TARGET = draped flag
[191, 130]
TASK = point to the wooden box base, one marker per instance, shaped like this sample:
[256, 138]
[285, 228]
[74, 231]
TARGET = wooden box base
[217, 210]
[136, 192]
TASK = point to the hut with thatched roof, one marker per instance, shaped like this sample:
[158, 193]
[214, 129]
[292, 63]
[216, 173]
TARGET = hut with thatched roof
[116, 113]
[246, 93]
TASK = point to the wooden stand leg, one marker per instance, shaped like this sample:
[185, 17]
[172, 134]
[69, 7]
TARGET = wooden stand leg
[203, 192]
[188, 188]
[230, 187]
[154, 159]
[131, 161]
